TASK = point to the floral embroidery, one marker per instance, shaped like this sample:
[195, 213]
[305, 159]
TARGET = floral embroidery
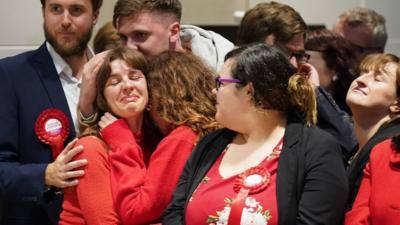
[253, 213]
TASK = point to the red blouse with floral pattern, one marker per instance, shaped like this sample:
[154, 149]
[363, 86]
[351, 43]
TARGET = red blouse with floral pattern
[212, 200]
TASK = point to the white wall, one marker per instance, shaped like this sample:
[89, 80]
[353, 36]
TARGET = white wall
[326, 12]
[21, 20]
[21, 24]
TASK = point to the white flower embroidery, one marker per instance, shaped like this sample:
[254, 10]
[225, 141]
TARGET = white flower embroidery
[253, 214]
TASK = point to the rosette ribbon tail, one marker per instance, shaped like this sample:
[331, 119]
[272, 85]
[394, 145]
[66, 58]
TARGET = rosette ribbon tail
[57, 145]
[237, 207]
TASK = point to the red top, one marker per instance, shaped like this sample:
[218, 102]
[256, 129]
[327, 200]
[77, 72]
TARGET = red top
[211, 201]
[378, 200]
[142, 193]
[90, 202]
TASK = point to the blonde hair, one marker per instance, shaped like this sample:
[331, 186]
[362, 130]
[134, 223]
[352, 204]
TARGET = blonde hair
[303, 96]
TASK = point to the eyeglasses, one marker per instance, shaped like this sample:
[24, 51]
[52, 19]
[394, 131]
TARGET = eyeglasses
[219, 81]
[301, 56]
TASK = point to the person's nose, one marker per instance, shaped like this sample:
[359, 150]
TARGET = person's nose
[66, 22]
[127, 85]
[363, 79]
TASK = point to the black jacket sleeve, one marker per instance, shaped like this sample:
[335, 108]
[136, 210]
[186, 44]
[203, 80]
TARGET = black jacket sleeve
[175, 212]
[336, 122]
[325, 187]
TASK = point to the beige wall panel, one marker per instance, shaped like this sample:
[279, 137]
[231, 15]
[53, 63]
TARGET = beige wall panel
[21, 20]
[210, 12]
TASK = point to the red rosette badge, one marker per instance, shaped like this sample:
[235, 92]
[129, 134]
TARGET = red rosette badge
[254, 180]
[251, 181]
[52, 127]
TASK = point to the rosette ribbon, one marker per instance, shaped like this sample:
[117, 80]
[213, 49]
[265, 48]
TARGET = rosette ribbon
[251, 181]
[52, 128]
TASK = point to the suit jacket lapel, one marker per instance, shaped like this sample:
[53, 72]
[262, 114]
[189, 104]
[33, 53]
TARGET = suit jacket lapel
[47, 73]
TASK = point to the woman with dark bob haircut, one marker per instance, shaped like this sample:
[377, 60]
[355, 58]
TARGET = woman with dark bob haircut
[270, 164]
[333, 58]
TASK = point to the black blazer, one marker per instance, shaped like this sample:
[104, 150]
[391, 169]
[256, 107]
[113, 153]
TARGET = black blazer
[311, 180]
[29, 84]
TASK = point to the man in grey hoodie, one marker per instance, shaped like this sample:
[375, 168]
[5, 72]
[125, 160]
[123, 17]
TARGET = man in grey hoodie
[153, 27]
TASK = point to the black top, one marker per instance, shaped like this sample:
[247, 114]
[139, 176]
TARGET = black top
[311, 180]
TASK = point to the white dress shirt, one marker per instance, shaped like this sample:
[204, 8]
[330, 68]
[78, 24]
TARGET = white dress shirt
[70, 84]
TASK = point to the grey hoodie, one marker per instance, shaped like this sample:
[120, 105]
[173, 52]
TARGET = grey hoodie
[208, 45]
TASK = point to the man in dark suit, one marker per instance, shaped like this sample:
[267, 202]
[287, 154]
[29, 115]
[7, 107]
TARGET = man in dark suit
[30, 83]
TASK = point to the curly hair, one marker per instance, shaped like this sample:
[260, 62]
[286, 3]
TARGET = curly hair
[181, 84]
[339, 58]
[276, 83]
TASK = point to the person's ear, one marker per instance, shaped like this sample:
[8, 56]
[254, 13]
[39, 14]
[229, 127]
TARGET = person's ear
[249, 89]
[395, 107]
[174, 32]
[95, 16]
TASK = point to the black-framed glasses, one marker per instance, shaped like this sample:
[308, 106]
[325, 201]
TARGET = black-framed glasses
[219, 81]
[300, 56]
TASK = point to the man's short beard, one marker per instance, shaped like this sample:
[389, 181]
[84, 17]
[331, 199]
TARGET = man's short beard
[67, 50]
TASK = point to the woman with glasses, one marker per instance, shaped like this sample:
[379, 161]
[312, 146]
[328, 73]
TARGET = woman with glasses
[130, 175]
[270, 164]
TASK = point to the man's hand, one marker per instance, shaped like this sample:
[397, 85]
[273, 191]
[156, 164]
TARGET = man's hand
[106, 120]
[88, 85]
[63, 172]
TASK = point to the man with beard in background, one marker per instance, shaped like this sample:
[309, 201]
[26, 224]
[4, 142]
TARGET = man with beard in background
[30, 83]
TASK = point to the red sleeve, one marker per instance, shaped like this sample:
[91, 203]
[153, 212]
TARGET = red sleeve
[141, 194]
[360, 213]
[94, 189]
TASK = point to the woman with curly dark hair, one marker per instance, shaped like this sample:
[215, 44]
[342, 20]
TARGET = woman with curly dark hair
[335, 62]
[270, 164]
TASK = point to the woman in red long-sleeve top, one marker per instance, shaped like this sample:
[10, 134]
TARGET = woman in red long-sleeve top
[378, 200]
[183, 110]
[142, 179]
